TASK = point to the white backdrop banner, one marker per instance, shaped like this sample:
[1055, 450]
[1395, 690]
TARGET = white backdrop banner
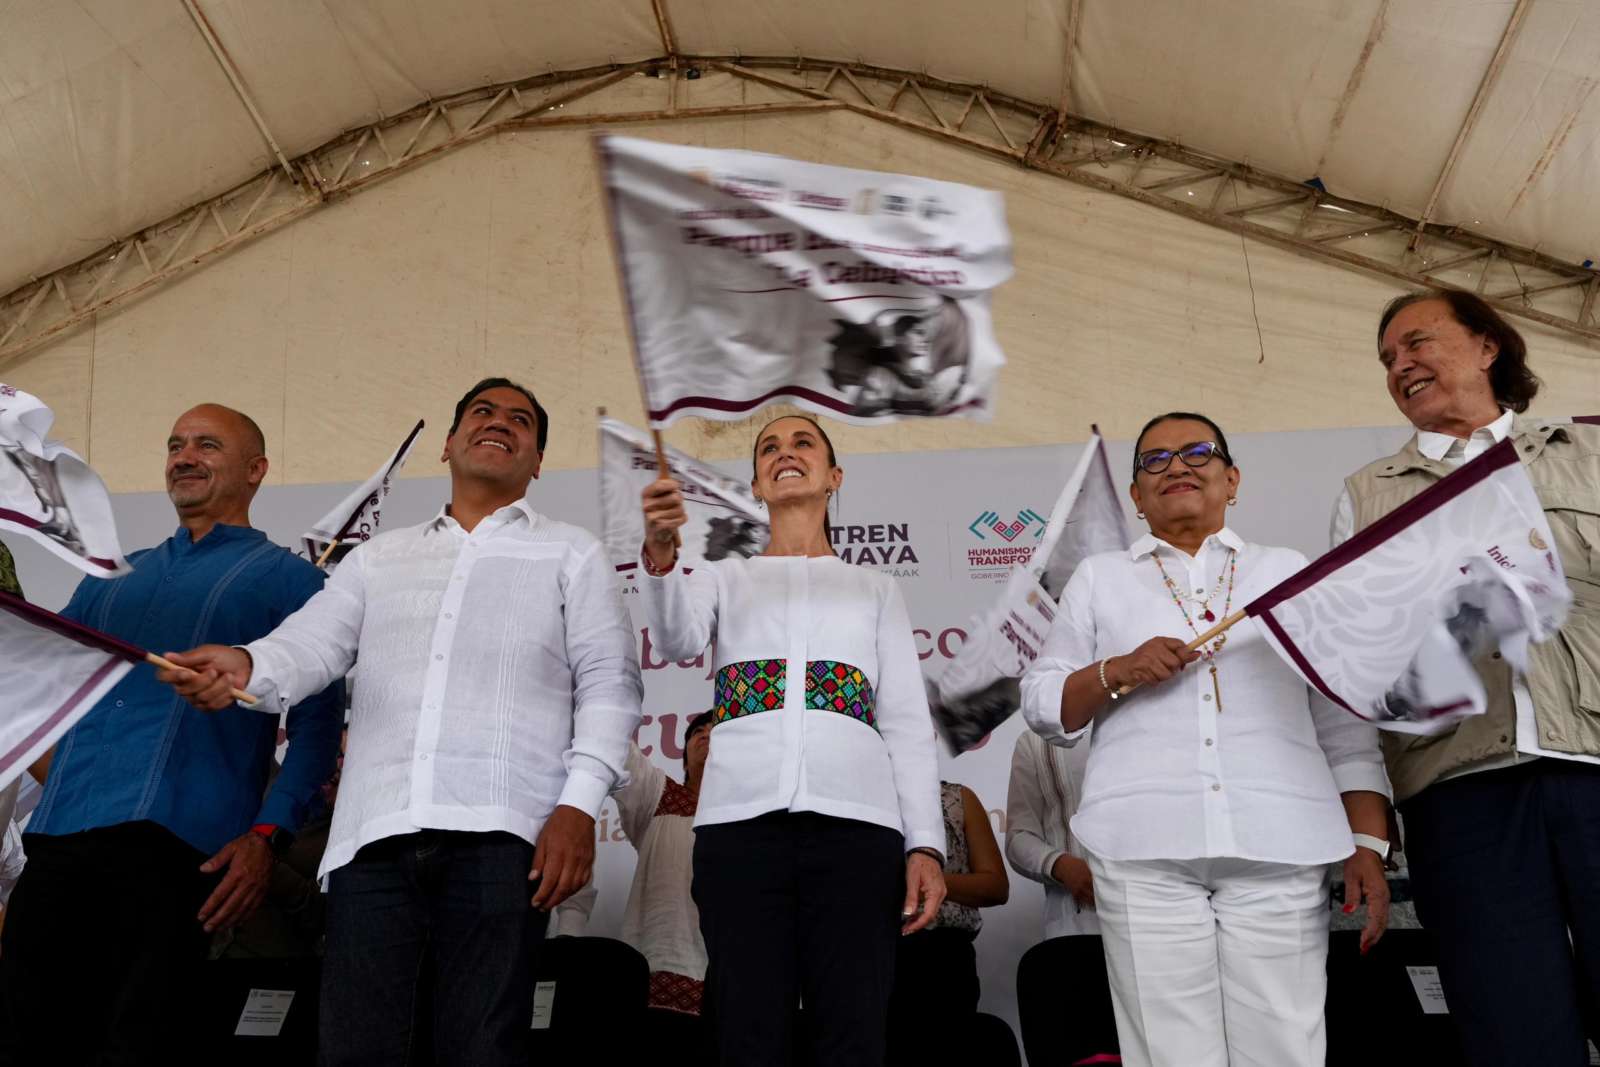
[751, 278]
[948, 525]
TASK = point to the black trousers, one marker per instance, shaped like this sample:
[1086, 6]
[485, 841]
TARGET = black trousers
[431, 951]
[798, 906]
[101, 948]
[933, 1009]
[1505, 870]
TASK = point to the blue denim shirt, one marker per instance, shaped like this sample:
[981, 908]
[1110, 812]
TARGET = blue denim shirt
[142, 752]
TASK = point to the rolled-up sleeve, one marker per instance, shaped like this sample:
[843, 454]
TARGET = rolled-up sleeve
[1068, 647]
[606, 688]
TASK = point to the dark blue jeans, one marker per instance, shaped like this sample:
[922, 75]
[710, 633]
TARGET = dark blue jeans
[430, 958]
[1505, 871]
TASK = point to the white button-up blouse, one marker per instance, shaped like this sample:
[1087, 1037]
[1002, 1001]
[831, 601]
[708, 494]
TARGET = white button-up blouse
[819, 698]
[1169, 777]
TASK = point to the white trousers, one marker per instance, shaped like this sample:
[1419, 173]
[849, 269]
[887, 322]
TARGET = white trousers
[1215, 963]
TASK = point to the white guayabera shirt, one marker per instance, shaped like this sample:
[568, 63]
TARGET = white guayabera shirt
[1168, 776]
[495, 676]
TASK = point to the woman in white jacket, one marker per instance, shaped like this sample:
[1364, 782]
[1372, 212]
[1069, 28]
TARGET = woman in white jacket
[818, 837]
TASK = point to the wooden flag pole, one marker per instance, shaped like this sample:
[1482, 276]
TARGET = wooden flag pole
[161, 661]
[1227, 623]
[327, 552]
[664, 471]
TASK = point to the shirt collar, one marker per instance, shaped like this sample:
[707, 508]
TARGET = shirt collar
[442, 520]
[219, 534]
[1436, 446]
[1148, 544]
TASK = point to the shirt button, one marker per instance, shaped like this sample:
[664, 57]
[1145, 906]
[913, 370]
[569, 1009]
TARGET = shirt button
[1216, 788]
[439, 656]
[169, 578]
[423, 757]
[448, 615]
[1209, 742]
[119, 703]
[1206, 697]
[1551, 735]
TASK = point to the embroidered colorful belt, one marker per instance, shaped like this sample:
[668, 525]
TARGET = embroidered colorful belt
[757, 685]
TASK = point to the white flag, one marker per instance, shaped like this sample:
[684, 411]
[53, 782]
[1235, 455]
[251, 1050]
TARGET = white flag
[1386, 625]
[355, 518]
[724, 518]
[751, 278]
[49, 493]
[55, 671]
[979, 689]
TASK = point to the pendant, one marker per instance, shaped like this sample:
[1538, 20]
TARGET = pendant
[1208, 616]
[1216, 687]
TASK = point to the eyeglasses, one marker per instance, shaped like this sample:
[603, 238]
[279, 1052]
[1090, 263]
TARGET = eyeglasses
[1197, 454]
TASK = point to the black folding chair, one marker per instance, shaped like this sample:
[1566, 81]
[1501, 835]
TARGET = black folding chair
[593, 985]
[1064, 1002]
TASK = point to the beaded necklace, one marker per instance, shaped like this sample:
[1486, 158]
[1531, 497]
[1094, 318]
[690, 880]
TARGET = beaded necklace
[1209, 654]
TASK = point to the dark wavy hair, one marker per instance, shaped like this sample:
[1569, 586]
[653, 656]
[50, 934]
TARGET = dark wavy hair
[1513, 383]
[1182, 416]
[543, 429]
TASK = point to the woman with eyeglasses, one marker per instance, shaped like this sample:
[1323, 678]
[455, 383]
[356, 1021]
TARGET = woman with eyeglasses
[1219, 787]
[819, 836]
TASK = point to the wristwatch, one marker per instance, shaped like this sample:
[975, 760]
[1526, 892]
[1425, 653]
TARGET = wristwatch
[1376, 844]
[278, 839]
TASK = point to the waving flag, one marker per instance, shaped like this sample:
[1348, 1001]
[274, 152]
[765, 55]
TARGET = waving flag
[751, 278]
[979, 689]
[49, 493]
[355, 518]
[56, 670]
[724, 519]
[1386, 625]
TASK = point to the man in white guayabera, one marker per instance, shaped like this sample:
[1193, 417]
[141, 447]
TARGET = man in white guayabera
[497, 687]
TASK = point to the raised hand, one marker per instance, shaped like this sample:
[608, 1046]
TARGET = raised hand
[662, 501]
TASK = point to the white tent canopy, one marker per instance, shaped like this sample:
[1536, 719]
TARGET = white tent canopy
[115, 115]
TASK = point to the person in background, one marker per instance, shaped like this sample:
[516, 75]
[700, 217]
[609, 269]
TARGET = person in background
[497, 684]
[660, 918]
[936, 986]
[817, 834]
[1502, 811]
[1041, 798]
[156, 827]
[1219, 786]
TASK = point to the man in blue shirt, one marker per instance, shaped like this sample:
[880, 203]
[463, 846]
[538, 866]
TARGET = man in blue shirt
[153, 831]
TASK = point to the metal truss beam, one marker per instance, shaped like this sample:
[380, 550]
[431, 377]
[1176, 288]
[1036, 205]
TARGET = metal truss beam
[1231, 196]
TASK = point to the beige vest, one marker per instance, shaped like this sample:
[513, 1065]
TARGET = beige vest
[1563, 462]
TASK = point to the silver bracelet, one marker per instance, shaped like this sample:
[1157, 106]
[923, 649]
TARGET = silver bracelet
[1112, 693]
